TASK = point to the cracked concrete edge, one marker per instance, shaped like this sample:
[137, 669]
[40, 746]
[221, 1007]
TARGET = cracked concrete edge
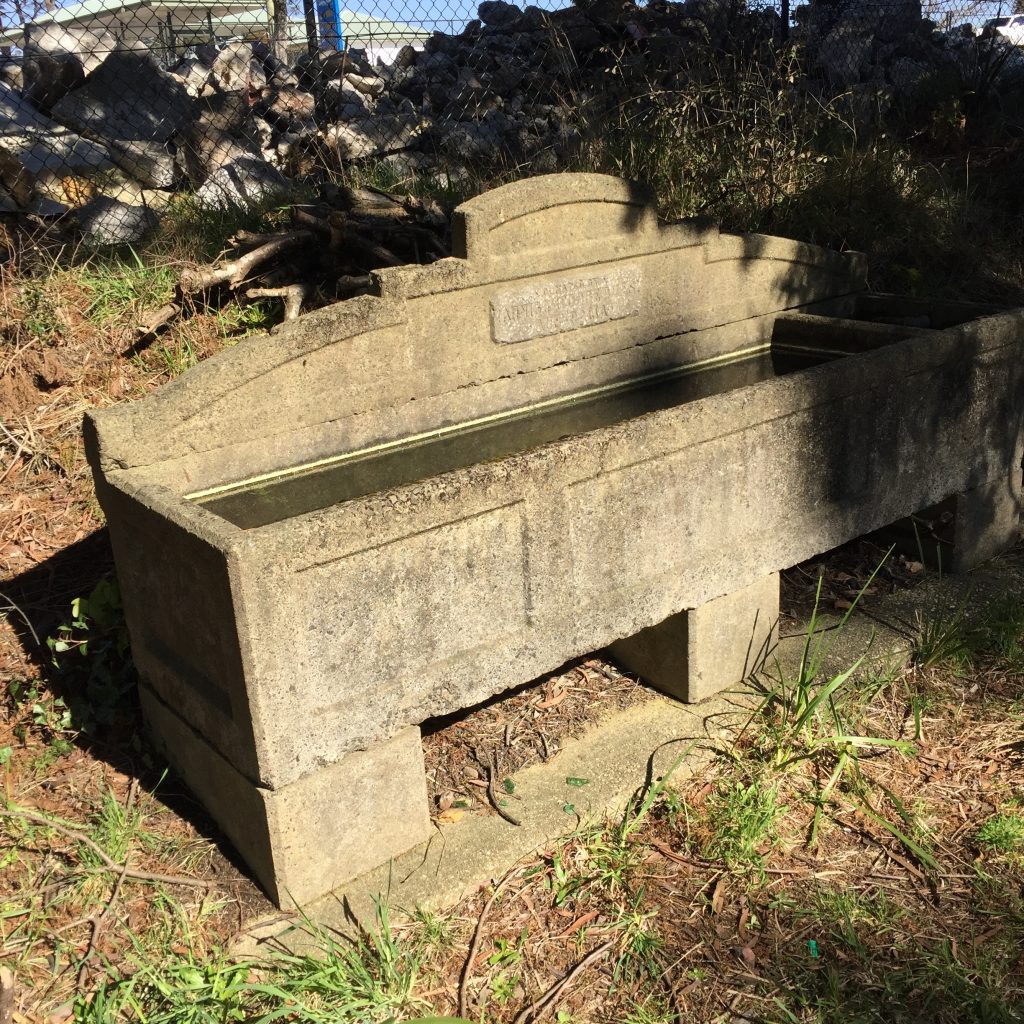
[618, 757]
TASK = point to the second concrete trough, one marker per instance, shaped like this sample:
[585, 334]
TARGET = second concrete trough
[587, 429]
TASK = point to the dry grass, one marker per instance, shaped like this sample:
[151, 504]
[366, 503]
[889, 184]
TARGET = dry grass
[704, 903]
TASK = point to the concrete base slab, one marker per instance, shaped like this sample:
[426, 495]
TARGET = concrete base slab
[612, 758]
[704, 650]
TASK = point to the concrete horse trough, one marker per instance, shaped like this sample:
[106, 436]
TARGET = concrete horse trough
[585, 430]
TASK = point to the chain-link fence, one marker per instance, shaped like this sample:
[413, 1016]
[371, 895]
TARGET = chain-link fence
[111, 108]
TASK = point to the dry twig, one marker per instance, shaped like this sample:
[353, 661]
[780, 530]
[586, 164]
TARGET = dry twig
[79, 837]
[234, 272]
[539, 1006]
[492, 773]
[474, 946]
[6, 995]
[293, 295]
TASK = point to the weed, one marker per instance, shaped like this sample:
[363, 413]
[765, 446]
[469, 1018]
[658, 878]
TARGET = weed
[503, 987]
[48, 714]
[178, 990]
[120, 288]
[605, 856]
[804, 717]
[192, 231]
[564, 883]
[850, 909]
[641, 942]
[370, 980]
[727, 134]
[508, 952]
[1003, 833]
[92, 656]
[434, 932]
[744, 817]
[1001, 632]
[177, 357]
[809, 721]
[119, 828]
[944, 640]
[649, 1011]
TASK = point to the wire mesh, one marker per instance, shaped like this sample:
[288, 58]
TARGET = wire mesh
[110, 108]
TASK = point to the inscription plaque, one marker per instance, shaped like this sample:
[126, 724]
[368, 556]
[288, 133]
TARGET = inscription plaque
[540, 310]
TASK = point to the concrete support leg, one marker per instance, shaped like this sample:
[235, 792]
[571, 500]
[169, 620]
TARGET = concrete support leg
[698, 652]
[322, 830]
[986, 522]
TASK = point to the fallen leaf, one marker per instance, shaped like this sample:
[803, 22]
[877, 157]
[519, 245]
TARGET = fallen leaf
[449, 817]
[554, 701]
[701, 795]
[585, 919]
[717, 896]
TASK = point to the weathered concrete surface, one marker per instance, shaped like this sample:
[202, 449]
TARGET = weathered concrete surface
[985, 518]
[621, 754]
[368, 807]
[696, 653]
[319, 632]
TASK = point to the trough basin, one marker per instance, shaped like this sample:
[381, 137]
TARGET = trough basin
[587, 429]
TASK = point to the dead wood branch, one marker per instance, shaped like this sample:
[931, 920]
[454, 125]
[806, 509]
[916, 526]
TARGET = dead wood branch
[326, 252]
[492, 773]
[305, 216]
[539, 1006]
[235, 272]
[243, 238]
[153, 323]
[293, 295]
[474, 946]
[378, 254]
[6, 995]
[352, 283]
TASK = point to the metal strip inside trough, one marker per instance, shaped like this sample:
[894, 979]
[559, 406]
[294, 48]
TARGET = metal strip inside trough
[586, 429]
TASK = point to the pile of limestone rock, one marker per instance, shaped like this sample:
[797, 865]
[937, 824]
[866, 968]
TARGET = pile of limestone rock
[517, 87]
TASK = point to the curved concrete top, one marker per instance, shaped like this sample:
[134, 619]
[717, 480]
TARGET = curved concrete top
[559, 282]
